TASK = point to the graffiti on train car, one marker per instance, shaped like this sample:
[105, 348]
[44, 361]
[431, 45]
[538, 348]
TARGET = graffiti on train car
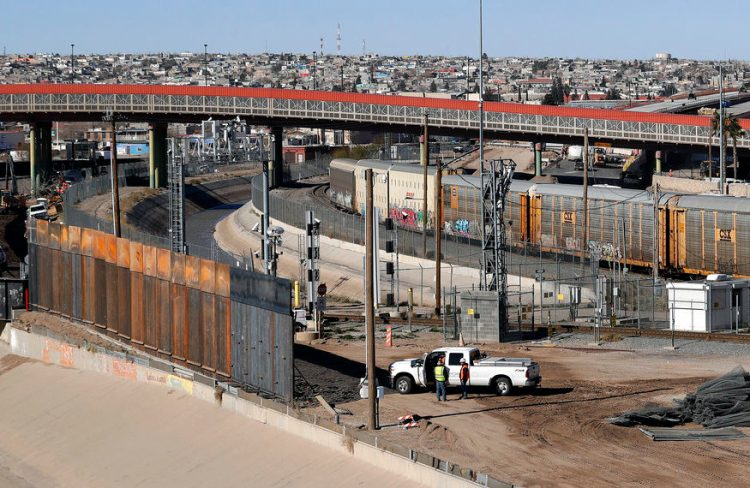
[460, 227]
[408, 217]
[342, 198]
[605, 250]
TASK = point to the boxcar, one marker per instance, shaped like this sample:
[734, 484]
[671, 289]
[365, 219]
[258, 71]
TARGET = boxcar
[709, 234]
[462, 208]
[620, 222]
[379, 185]
[407, 194]
[341, 174]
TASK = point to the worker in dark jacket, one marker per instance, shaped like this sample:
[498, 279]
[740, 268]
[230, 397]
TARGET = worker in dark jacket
[441, 375]
[463, 377]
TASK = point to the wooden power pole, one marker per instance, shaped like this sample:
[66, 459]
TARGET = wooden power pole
[655, 233]
[115, 180]
[438, 228]
[370, 305]
[585, 244]
[425, 163]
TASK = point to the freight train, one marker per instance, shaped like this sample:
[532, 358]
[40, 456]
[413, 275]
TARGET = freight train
[697, 234]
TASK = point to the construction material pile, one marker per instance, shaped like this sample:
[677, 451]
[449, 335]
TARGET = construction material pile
[721, 402]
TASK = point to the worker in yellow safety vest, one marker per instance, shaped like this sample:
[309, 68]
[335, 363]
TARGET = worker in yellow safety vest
[441, 374]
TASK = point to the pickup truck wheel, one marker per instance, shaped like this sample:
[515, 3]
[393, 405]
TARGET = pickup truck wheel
[502, 386]
[404, 384]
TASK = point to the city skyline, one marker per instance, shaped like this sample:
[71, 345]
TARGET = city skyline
[582, 29]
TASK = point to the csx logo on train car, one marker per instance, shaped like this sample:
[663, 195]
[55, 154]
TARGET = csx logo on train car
[568, 217]
[726, 235]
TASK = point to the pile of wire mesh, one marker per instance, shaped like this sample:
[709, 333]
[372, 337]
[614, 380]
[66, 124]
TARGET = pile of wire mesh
[721, 402]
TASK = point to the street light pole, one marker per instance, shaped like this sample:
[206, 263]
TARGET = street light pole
[205, 64]
[72, 62]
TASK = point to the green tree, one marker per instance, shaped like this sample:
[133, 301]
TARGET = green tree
[613, 94]
[669, 90]
[556, 96]
[732, 130]
[433, 89]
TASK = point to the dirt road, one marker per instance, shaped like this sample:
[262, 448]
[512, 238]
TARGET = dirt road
[558, 435]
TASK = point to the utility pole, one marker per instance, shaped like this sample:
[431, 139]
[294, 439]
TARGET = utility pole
[315, 70]
[205, 64]
[425, 164]
[585, 243]
[72, 63]
[468, 89]
[722, 146]
[655, 233]
[267, 258]
[438, 227]
[115, 180]
[370, 305]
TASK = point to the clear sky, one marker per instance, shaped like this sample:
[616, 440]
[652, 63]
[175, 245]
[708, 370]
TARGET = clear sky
[570, 28]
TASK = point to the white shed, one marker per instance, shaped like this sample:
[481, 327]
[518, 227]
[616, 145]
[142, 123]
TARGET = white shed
[716, 304]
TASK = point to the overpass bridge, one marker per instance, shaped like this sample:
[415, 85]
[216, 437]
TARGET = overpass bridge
[41, 104]
[684, 105]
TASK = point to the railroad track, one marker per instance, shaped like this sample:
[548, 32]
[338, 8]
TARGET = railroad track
[382, 319]
[667, 333]
[743, 338]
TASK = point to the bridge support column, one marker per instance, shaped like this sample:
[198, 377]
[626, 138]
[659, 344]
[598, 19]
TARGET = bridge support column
[538, 159]
[157, 154]
[277, 166]
[33, 163]
[657, 167]
[40, 154]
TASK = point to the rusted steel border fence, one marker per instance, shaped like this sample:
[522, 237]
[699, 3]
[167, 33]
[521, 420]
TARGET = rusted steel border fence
[227, 322]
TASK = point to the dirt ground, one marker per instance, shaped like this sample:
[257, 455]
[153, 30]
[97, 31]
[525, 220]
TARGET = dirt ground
[558, 434]
[12, 230]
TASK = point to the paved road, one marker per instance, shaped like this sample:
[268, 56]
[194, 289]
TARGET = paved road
[199, 227]
[67, 428]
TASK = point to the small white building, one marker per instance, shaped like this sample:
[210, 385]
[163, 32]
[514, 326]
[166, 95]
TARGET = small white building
[716, 304]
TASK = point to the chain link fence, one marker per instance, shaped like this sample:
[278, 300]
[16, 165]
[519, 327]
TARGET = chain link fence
[135, 175]
[630, 299]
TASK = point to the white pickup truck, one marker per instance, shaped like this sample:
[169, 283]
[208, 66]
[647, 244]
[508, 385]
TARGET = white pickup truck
[502, 374]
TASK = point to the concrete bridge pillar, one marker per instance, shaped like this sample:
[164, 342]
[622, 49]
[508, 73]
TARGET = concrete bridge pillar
[277, 165]
[538, 159]
[657, 168]
[40, 154]
[157, 154]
